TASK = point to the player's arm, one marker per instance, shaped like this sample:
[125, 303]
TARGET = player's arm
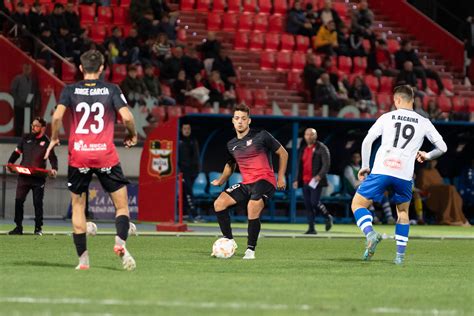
[129, 123]
[15, 154]
[53, 160]
[437, 140]
[374, 132]
[228, 171]
[326, 162]
[283, 162]
[55, 126]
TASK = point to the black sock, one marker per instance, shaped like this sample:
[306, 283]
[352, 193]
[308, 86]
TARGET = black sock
[223, 217]
[122, 224]
[81, 243]
[253, 231]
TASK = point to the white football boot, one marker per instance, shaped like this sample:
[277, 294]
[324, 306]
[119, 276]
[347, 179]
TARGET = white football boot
[127, 260]
[83, 261]
[249, 254]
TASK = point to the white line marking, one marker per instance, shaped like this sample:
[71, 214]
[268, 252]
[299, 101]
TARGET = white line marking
[116, 302]
[413, 311]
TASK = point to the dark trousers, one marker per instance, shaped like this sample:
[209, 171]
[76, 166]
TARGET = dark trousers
[18, 120]
[25, 184]
[424, 73]
[312, 203]
[189, 207]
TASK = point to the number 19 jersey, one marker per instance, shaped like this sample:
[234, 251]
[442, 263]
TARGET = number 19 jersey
[93, 106]
[403, 132]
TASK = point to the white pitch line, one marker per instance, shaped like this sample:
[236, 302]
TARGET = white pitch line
[116, 302]
[413, 311]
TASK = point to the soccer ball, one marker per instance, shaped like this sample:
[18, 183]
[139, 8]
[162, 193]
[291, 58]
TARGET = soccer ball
[132, 230]
[223, 248]
[91, 229]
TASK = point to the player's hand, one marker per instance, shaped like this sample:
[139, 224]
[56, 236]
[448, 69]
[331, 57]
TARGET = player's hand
[217, 182]
[421, 156]
[363, 173]
[53, 143]
[130, 141]
[53, 173]
[281, 183]
[9, 167]
[317, 178]
[295, 185]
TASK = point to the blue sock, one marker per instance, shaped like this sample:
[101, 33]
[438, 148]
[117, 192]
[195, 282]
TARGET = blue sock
[364, 220]
[401, 236]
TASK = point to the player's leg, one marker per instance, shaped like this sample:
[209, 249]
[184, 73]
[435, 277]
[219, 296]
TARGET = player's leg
[226, 199]
[22, 189]
[387, 210]
[402, 229]
[310, 211]
[317, 204]
[38, 194]
[418, 207]
[360, 207]
[79, 226]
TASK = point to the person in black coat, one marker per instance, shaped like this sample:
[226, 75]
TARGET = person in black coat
[313, 162]
[224, 65]
[72, 19]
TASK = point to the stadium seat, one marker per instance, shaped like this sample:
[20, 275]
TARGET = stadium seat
[241, 41]
[294, 80]
[249, 6]
[214, 21]
[215, 190]
[258, 111]
[203, 5]
[218, 6]
[275, 24]
[187, 5]
[87, 14]
[444, 103]
[344, 64]
[125, 3]
[280, 7]
[260, 98]
[448, 83]
[181, 35]
[283, 61]
[68, 72]
[341, 8]
[119, 72]
[225, 111]
[104, 15]
[120, 16]
[302, 43]
[432, 85]
[98, 33]
[386, 84]
[460, 105]
[256, 41]
[245, 22]
[359, 65]
[174, 111]
[334, 185]
[233, 6]
[235, 178]
[260, 23]
[372, 82]
[244, 95]
[427, 99]
[199, 185]
[267, 60]
[229, 22]
[265, 6]
[298, 61]
[384, 101]
[272, 41]
[393, 45]
[287, 42]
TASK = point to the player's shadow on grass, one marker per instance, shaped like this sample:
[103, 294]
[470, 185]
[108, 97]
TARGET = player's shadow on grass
[351, 259]
[58, 265]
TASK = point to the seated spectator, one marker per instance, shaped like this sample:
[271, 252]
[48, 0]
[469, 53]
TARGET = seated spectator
[42, 51]
[160, 9]
[20, 17]
[138, 9]
[407, 53]
[57, 19]
[217, 91]
[148, 27]
[407, 76]
[313, 18]
[72, 18]
[327, 13]
[365, 16]
[297, 23]
[64, 42]
[153, 87]
[418, 106]
[325, 93]
[37, 19]
[180, 88]
[326, 40]
[197, 81]
[311, 73]
[172, 65]
[360, 93]
[327, 66]
[133, 87]
[210, 50]
[223, 64]
[192, 65]
[434, 113]
[116, 52]
[343, 41]
[80, 45]
[131, 46]
[168, 27]
[380, 60]
[356, 44]
[162, 47]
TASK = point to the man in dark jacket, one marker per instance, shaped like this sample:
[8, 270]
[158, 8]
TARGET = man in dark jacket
[32, 148]
[314, 161]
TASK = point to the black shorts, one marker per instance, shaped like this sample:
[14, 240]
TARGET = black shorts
[243, 193]
[111, 179]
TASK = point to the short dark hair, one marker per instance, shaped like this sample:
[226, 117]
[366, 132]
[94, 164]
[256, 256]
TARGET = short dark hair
[404, 42]
[40, 120]
[91, 61]
[242, 108]
[405, 91]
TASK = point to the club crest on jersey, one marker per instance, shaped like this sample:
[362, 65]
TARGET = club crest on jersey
[42, 143]
[249, 142]
[160, 162]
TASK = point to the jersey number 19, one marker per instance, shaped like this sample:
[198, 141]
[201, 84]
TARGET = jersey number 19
[95, 128]
[408, 131]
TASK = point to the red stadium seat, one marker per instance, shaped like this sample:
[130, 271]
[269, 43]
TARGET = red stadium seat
[372, 82]
[280, 7]
[460, 105]
[241, 40]
[256, 41]
[245, 22]
[448, 84]
[272, 41]
[386, 84]
[233, 6]
[298, 61]
[125, 3]
[360, 65]
[260, 98]
[249, 6]
[229, 22]
[187, 5]
[432, 85]
[244, 96]
[181, 35]
[218, 6]
[287, 42]
[345, 64]
[444, 103]
[119, 72]
[190, 109]
[302, 43]
[294, 80]
[275, 23]
[267, 60]
[98, 33]
[68, 72]
[384, 101]
[203, 5]
[87, 14]
[214, 21]
[283, 61]
[260, 23]
[265, 6]
[393, 45]
[120, 16]
[427, 99]
[258, 111]
[174, 111]
[104, 15]
[341, 8]
[159, 113]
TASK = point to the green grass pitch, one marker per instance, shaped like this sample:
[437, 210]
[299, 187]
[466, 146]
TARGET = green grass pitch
[291, 276]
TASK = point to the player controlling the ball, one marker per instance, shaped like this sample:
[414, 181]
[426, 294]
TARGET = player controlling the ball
[403, 131]
[251, 149]
[94, 105]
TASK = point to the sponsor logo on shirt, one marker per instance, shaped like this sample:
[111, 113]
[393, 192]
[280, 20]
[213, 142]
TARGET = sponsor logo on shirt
[249, 142]
[42, 143]
[81, 146]
[393, 163]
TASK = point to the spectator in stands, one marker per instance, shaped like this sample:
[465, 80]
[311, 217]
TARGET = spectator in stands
[197, 81]
[326, 40]
[408, 76]
[148, 27]
[138, 9]
[365, 16]
[168, 27]
[64, 42]
[20, 17]
[418, 106]
[297, 23]
[72, 18]
[37, 19]
[326, 94]
[468, 37]
[24, 91]
[311, 74]
[327, 13]
[434, 113]
[180, 88]
[191, 63]
[153, 86]
[327, 66]
[160, 8]
[81, 44]
[224, 65]
[115, 45]
[133, 87]
[313, 18]
[132, 47]
[210, 50]
[343, 42]
[217, 91]
[356, 44]
[351, 171]
[162, 47]
[407, 53]
[5, 10]
[360, 93]
[173, 65]
[57, 19]
[380, 60]
[43, 52]
[313, 165]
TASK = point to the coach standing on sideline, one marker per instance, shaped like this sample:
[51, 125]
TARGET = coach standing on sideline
[314, 161]
[32, 148]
